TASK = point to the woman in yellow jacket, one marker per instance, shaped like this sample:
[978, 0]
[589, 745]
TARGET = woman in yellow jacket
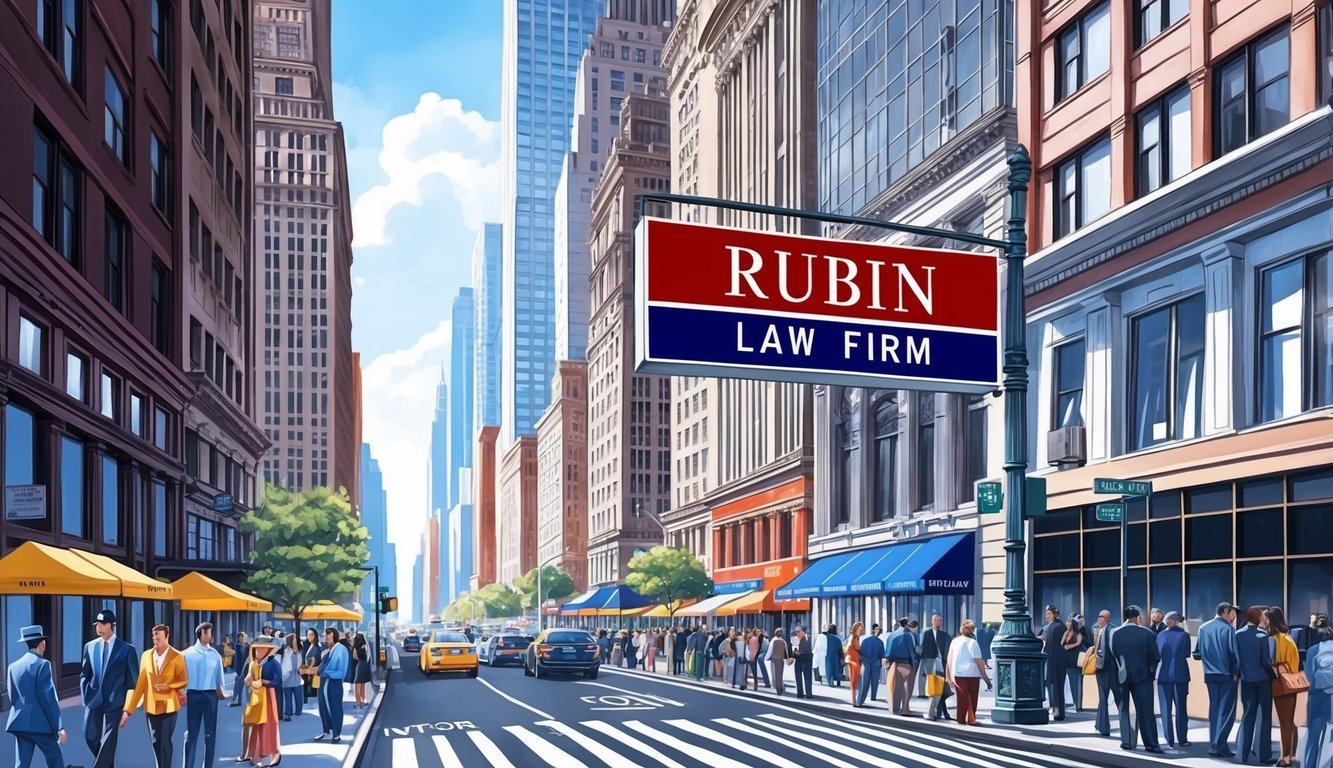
[1284, 654]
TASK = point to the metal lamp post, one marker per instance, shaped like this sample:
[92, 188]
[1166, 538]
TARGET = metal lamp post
[540, 602]
[1019, 661]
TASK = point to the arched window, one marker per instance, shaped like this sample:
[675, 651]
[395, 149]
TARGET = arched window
[886, 454]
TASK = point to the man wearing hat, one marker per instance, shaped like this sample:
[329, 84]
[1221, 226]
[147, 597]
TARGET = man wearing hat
[109, 671]
[34, 714]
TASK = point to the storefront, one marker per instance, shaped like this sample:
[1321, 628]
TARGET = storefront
[752, 600]
[914, 579]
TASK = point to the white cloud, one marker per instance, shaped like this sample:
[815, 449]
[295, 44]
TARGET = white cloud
[398, 402]
[437, 139]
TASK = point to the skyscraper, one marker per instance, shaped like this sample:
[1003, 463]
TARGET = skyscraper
[487, 287]
[461, 380]
[437, 479]
[542, 45]
[303, 222]
[415, 609]
[374, 508]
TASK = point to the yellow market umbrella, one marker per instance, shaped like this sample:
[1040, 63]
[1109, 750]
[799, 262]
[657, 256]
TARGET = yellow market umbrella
[197, 592]
[133, 584]
[751, 603]
[661, 612]
[325, 610]
[39, 569]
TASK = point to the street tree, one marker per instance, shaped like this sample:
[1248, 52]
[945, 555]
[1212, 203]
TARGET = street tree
[467, 607]
[669, 576]
[499, 600]
[308, 547]
[555, 585]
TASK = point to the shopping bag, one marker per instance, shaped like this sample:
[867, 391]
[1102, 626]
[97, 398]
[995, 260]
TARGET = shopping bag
[934, 685]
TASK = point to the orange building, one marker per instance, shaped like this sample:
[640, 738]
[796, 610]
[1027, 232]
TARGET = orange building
[760, 544]
[483, 510]
[516, 511]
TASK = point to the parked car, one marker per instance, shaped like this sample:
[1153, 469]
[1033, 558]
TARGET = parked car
[506, 648]
[563, 650]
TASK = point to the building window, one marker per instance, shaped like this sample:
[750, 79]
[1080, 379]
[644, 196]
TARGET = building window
[160, 517]
[110, 500]
[117, 259]
[55, 196]
[1294, 367]
[925, 452]
[1157, 16]
[71, 486]
[160, 181]
[886, 455]
[283, 86]
[1167, 385]
[59, 25]
[1083, 51]
[159, 24]
[31, 351]
[76, 376]
[1069, 361]
[1325, 71]
[110, 392]
[1253, 94]
[1164, 141]
[116, 122]
[161, 430]
[1083, 188]
[977, 437]
[160, 310]
[136, 414]
[196, 344]
[849, 454]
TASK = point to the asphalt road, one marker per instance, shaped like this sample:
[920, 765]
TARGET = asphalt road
[505, 719]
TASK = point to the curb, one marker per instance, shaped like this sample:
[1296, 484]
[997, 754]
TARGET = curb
[358, 748]
[985, 735]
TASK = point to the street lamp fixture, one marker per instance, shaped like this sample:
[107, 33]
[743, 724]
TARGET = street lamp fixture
[541, 604]
[640, 513]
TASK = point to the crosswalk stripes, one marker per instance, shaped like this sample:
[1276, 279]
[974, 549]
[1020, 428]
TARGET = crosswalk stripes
[762, 739]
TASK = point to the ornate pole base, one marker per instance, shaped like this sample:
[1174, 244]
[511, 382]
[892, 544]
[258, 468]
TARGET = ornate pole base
[1020, 677]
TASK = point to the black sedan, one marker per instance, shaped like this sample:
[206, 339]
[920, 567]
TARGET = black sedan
[506, 649]
[412, 643]
[563, 650]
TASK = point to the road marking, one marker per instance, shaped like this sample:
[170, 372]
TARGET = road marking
[607, 755]
[843, 749]
[698, 753]
[1014, 756]
[699, 730]
[919, 755]
[548, 752]
[647, 698]
[513, 700]
[446, 753]
[780, 739]
[405, 753]
[489, 750]
[612, 731]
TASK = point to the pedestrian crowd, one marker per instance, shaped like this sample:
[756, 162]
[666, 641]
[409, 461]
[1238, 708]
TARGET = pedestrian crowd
[274, 677]
[1251, 657]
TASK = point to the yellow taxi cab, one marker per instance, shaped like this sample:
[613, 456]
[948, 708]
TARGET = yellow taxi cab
[447, 651]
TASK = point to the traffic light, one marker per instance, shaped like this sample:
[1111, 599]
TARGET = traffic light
[388, 604]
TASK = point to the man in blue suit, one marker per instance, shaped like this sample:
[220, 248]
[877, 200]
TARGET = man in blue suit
[1133, 649]
[1173, 680]
[34, 714]
[872, 658]
[109, 670]
[1216, 648]
[1256, 687]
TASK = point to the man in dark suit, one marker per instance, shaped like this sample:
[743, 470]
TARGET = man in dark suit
[1108, 680]
[1216, 648]
[1155, 621]
[34, 713]
[872, 658]
[1173, 680]
[1051, 635]
[934, 656]
[1256, 687]
[1133, 649]
[804, 653]
[109, 670]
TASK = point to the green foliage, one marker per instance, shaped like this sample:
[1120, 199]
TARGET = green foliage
[308, 547]
[500, 601]
[466, 608]
[555, 585]
[669, 575]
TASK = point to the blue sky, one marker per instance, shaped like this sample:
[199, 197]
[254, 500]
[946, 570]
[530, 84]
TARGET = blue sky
[417, 88]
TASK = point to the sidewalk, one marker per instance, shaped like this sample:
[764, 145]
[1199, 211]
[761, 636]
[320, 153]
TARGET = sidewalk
[299, 749]
[1075, 737]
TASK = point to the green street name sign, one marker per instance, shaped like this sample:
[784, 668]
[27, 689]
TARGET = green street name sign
[1110, 513]
[990, 498]
[1122, 487]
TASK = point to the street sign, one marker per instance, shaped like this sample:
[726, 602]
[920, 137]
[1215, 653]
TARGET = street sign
[1034, 499]
[222, 502]
[1122, 487]
[25, 502]
[734, 303]
[990, 497]
[1110, 513]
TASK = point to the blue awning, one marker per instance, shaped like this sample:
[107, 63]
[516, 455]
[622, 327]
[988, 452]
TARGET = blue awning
[806, 583]
[583, 600]
[940, 565]
[736, 587]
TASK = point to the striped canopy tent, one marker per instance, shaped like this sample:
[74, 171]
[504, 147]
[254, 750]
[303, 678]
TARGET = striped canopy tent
[619, 600]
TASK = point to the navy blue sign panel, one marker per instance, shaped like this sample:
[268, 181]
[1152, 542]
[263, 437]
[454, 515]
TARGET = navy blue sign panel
[737, 587]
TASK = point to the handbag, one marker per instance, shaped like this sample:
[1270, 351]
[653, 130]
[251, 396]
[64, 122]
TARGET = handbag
[1087, 661]
[934, 685]
[1289, 683]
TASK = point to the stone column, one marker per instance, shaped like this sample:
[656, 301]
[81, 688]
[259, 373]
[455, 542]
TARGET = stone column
[1224, 383]
[1104, 355]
